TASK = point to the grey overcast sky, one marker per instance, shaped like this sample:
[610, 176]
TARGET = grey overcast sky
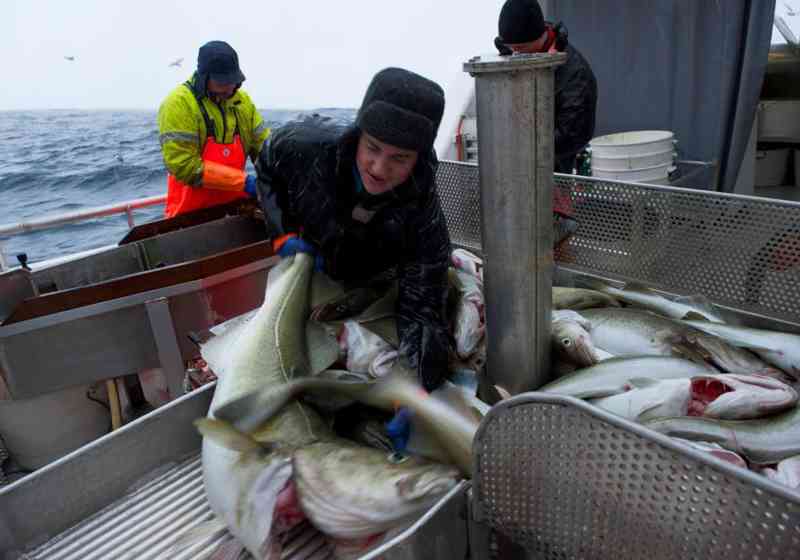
[296, 54]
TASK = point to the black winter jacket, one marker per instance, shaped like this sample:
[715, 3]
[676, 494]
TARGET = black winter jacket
[575, 100]
[308, 166]
[575, 108]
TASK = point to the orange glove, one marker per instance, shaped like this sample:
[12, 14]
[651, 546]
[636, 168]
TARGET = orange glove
[223, 177]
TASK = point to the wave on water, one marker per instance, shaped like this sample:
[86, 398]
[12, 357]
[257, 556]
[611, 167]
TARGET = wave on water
[53, 162]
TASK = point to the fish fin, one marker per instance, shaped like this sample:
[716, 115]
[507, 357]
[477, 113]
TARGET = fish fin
[642, 382]
[385, 328]
[644, 414]
[732, 340]
[591, 283]
[503, 392]
[249, 411]
[688, 351]
[323, 349]
[637, 287]
[227, 436]
[700, 302]
[694, 316]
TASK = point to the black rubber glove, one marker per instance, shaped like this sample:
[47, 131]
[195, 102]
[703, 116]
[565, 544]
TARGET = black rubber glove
[425, 348]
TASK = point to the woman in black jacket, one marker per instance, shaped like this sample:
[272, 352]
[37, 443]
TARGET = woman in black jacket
[363, 199]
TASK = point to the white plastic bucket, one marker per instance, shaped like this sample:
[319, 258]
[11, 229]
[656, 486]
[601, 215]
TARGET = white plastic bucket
[627, 163]
[771, 166]
[657, 173]
[634, 143]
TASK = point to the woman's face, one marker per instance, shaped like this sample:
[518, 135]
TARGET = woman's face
[382, 166]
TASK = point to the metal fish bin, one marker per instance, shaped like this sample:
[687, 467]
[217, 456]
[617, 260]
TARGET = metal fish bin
[555, 478]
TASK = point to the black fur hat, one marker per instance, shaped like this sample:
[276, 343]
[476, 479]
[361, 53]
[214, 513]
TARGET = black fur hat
[403, 109]
[521, 21]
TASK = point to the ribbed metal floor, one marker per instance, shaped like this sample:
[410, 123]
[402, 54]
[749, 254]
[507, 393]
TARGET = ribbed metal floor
[163, 519]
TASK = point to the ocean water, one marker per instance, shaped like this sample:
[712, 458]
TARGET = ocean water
[60, 161]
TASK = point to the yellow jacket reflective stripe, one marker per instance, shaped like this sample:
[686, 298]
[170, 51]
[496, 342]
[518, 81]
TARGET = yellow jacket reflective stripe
[182, 130]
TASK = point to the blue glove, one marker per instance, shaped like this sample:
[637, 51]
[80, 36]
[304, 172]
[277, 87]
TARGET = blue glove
[295, 245]
[399, 429]
[250, 185]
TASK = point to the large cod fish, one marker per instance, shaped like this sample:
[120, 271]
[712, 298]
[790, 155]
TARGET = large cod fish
[255, 482]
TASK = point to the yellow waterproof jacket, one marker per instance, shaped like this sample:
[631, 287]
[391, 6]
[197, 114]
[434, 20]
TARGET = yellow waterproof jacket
[182, 129]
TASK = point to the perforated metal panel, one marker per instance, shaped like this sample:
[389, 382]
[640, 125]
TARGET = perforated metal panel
[567, 480]
[459, 193]
[741, 252]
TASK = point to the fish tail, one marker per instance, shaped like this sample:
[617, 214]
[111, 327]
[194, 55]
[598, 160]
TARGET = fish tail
[227, 436]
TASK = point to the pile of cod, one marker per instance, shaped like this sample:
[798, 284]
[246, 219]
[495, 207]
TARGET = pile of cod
[296, 433]
[677, 367]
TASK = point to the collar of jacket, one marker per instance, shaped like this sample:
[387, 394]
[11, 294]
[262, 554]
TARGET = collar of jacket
[559, 34]
[411, 190]
[198, 84]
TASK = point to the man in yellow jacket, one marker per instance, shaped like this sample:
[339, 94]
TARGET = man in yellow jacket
[208, 127]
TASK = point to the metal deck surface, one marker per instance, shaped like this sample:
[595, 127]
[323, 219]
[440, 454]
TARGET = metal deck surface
[164, 518]
[137, 493]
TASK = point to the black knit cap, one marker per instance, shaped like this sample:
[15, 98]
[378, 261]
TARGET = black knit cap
[521, 21]
[217, 60]
[402, 109]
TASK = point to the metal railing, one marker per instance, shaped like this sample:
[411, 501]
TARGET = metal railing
[57, 220]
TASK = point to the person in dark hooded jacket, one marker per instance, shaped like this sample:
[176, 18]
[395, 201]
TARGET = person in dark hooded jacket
[362, 198]
[523, 30]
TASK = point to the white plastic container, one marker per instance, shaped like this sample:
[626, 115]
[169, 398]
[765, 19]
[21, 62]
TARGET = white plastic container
[771, 166]
[634, 143]
[636, 156]
[626, 163]
[658, 173]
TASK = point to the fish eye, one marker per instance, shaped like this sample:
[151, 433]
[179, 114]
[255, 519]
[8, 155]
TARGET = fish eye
[566, 342]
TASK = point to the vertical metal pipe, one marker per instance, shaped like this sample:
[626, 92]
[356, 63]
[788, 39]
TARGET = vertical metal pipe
[515, 152]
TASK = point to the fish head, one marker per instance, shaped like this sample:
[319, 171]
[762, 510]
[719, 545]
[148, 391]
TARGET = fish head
[350, 491]
[425, 481]
[467, 262]
[716, 450]
[739, 397]
[574, 343]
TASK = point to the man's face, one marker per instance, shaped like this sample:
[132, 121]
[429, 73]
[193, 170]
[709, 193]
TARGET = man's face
[382, 166]
[531, 47]
[219, 92]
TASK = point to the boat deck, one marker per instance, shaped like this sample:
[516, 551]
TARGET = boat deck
[158, 520]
